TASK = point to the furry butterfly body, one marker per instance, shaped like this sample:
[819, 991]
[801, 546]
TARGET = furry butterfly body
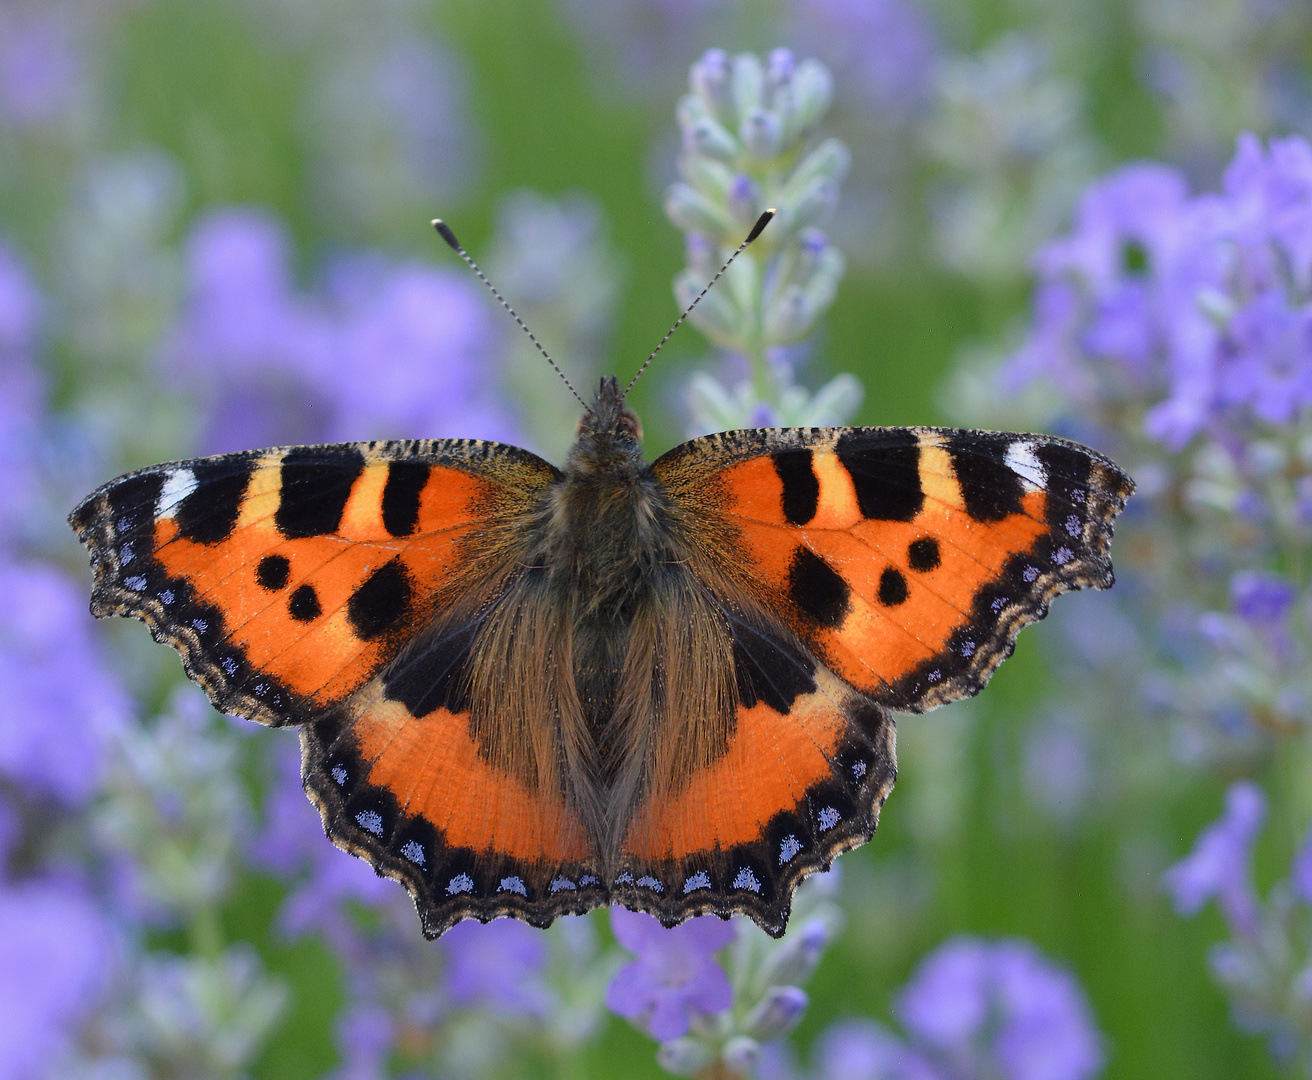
[526, 691]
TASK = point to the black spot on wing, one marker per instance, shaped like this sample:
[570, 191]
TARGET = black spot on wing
[273, 572]
[209, 513]
[817, 589]
[923, 555]
[315, 486]
[769, 670]
[304, 605]
[892, 587]
[885, 472]
[989, 488]
[405, 483]
[377, 605]
[431, 674]
[801, 494]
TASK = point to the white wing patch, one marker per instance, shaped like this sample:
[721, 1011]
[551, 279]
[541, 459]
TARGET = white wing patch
[177, 486]
[1022, 461]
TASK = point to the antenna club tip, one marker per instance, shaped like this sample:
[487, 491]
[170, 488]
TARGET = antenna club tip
[760, 225]
[444, 231]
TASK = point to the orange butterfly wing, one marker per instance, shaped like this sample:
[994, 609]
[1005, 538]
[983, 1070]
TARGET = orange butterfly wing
[295, 583]
[894, 567]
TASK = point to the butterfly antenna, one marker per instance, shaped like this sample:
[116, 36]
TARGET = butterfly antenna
[757, 229]
[444, 231]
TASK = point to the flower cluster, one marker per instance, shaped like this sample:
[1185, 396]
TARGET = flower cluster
[974, 1009]
[746, 127]
[708, 1021]
[1175, 332]
[1266, 966]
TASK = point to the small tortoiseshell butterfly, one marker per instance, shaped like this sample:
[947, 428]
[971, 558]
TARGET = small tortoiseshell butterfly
[526, 691]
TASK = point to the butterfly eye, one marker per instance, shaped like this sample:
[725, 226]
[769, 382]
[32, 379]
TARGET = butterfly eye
[629, 424]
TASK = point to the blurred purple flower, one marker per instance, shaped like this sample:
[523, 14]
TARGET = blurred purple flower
[1220, 864]
[1261, 598]
[643, 42]
[366, 1035]
[497, 965]
[55, 958]
[1003, 1006]
[863, 1050]
[674, 978]
[62, 702]
[383, 351]
[884, 49]
[415, 353]
[41, 67]
[1200, 304]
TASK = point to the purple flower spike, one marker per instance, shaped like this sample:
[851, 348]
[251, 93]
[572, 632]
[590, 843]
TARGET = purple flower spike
[497, 965]
[674, 977]
[1219, 865]
[1005, 1007]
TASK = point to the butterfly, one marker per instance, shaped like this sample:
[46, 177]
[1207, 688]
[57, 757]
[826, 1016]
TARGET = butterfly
[529, 691]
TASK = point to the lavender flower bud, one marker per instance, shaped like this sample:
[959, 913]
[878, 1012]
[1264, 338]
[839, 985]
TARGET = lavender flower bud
[812, 90]
[761, 134]
[741, 1055]
[779, 1011]
[831, 160]
[716, 315]
[692, 211]
[795, 960]
[709, 138]
[745, 203]
[712, 80]
[779, 68]
[683, 1056]
[748, 83]
[711, 179]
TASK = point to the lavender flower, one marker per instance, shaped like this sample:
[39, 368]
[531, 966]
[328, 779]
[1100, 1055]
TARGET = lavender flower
[43, 73]
[674, 979]
[497, 966]
[745, 126]
[1001, 1008]
[974, 1009]
[1169, 329]
[59, 750]
[384, 351]
[710, 1017]
[1265, 966]
[1220, 864]
[56, 955]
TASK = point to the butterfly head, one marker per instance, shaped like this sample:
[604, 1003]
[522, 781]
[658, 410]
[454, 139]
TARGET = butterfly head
[609, 432]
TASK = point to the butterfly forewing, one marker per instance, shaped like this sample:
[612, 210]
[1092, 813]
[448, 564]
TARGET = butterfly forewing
[906, 559]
